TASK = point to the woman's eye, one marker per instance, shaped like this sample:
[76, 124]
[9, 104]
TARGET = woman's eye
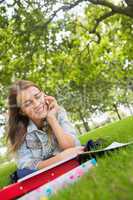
[38, 96]
[28, 104]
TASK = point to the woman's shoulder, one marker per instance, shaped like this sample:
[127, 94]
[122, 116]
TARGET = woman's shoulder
[31, 127]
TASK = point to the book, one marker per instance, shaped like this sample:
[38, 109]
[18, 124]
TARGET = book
[61, 182]
[94, 153]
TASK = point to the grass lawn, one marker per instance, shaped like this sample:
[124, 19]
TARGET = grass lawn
[112, 179]
[5, 170]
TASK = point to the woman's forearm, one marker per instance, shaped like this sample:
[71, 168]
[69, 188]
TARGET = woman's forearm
[64, 140]
[60, 156]
[48, 162]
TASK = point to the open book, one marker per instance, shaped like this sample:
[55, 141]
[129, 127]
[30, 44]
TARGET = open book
[92, 154]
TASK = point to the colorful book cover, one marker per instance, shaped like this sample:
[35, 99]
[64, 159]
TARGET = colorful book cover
[43, 192]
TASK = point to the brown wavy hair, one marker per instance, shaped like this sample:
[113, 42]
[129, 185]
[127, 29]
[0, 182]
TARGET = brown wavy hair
[17, 122]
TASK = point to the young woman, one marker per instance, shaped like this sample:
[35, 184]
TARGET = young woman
[39, 131]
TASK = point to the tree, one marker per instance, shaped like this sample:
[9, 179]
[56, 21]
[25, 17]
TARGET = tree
[123, 7]
[30, 49]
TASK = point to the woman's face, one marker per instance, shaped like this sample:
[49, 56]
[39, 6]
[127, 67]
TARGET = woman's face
[32, 103]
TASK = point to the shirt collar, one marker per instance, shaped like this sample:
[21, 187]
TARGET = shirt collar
[31, 126]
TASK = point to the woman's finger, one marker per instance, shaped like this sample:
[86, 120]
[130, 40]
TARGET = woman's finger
[49, 98]
[52, 105]
[80, 147]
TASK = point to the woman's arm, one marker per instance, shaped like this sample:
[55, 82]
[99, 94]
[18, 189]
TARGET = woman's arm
[25, 159]
[61, 127]
[60, 156]
[64, 140]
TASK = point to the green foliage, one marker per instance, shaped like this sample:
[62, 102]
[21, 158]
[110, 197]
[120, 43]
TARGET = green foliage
[95, 68]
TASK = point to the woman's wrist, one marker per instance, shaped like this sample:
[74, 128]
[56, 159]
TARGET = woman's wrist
[45, 163]
[51, 118]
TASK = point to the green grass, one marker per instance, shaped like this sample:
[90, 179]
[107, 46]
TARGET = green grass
[112, 179]
[120, 130]
[5, 171]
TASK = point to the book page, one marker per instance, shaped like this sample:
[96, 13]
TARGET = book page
[115, 145]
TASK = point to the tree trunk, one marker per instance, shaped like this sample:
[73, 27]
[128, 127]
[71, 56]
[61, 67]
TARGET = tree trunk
[79, 129]
[85, 123]
[117, 112]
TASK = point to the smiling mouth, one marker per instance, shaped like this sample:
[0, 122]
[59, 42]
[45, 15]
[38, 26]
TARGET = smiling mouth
[41, 109]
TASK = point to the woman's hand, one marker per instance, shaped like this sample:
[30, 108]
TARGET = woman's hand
[74, 151]
[53, 107]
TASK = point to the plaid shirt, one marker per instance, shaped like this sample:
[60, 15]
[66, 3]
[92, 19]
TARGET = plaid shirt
[37, 147]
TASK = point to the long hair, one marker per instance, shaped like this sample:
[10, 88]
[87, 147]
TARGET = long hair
[17, 122]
